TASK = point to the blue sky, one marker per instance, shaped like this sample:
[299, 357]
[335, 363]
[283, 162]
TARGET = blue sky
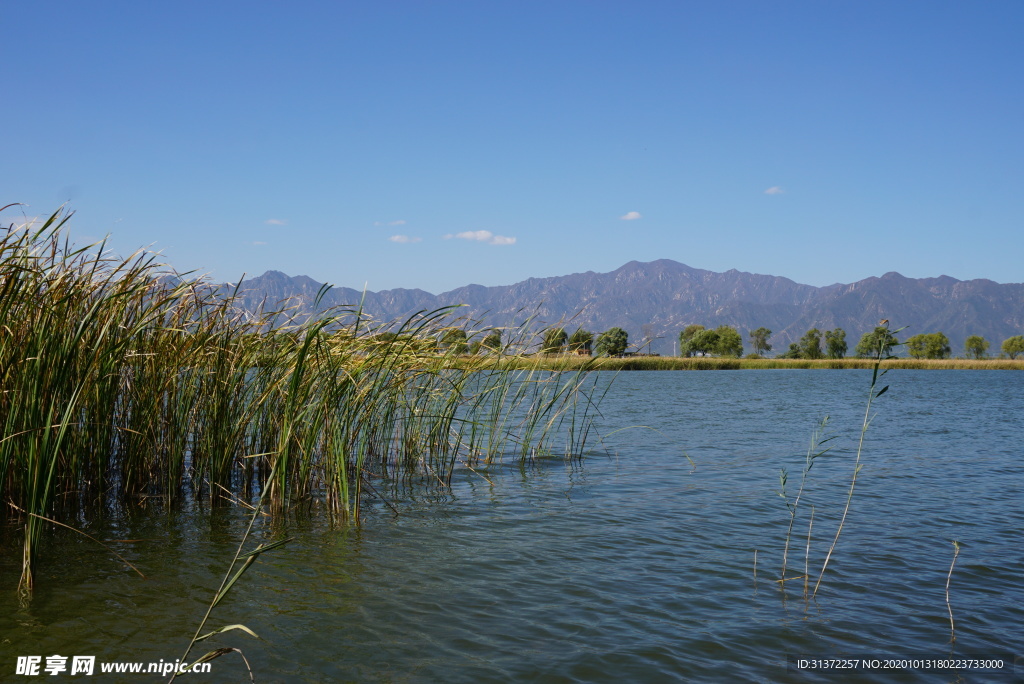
[437, 144]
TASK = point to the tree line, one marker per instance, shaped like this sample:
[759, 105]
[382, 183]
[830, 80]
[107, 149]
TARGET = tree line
[725, 340]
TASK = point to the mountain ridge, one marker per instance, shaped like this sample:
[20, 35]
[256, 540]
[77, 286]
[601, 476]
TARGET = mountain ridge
[658, 298]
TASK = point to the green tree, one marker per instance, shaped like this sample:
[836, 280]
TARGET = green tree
[878, 339]
[976, 346]
[759, 340]
[612, 342]
[792, 353]
[703, 342]
[685, 336]
[1014, 346]
[835, 343]
[810, 344]
[454, 340]
[492, 342]
[581, 342]
[916, 346]
[730, 342]
[928, 346]
[554, 340]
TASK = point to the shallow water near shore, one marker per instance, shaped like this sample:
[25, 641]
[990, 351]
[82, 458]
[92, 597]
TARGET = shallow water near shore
[636, 564]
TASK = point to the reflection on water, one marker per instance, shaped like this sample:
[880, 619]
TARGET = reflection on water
[636, 565]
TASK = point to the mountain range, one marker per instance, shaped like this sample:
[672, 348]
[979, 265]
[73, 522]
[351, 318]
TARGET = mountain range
[657, 299]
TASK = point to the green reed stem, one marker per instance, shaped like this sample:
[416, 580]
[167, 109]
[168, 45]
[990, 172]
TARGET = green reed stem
[949, 577]
[814, 451]
[872, 395]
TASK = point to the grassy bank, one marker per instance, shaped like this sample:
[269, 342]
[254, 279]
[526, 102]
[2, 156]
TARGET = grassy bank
[123, 384]
[563, 362]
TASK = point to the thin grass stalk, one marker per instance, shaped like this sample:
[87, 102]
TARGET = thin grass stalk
[814, 452]
[949, 577]
[807, 553]
[872, 395]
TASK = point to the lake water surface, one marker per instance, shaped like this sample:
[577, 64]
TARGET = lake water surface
[635, 565]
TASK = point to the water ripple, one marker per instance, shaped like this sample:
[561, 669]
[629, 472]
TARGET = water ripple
[637, 565]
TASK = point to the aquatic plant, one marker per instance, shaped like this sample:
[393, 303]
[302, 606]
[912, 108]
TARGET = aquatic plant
[814, 452]
[949, 578]
[123, 383]
[231, 576]
[882, 350]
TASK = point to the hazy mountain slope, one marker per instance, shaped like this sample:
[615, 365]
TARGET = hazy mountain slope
[659, 298]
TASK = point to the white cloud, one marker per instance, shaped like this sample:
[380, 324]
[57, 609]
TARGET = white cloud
[400, 222]
[276, 222]
[482, 236]
[631, 216]
[774, 190]
[258, 243]
[404, 238]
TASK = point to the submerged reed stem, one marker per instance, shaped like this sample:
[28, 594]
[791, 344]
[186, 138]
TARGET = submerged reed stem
[807, 553]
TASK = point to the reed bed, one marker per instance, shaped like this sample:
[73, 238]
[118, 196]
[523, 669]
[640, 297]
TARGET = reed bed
[123, 384]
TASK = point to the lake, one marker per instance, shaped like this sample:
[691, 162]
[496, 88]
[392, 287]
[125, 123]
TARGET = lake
[635, 564]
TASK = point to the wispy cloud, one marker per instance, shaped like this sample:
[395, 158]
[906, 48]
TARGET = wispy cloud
[482, 236]
[404, 238]
[258, 243]
[774, 190]
[631, 216]
[399, 222]
[276, 222]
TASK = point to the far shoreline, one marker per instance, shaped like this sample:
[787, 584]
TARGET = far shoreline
[569, 362]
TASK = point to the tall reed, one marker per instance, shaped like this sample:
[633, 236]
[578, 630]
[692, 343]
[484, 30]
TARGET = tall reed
[873, 393]
[123, 383]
